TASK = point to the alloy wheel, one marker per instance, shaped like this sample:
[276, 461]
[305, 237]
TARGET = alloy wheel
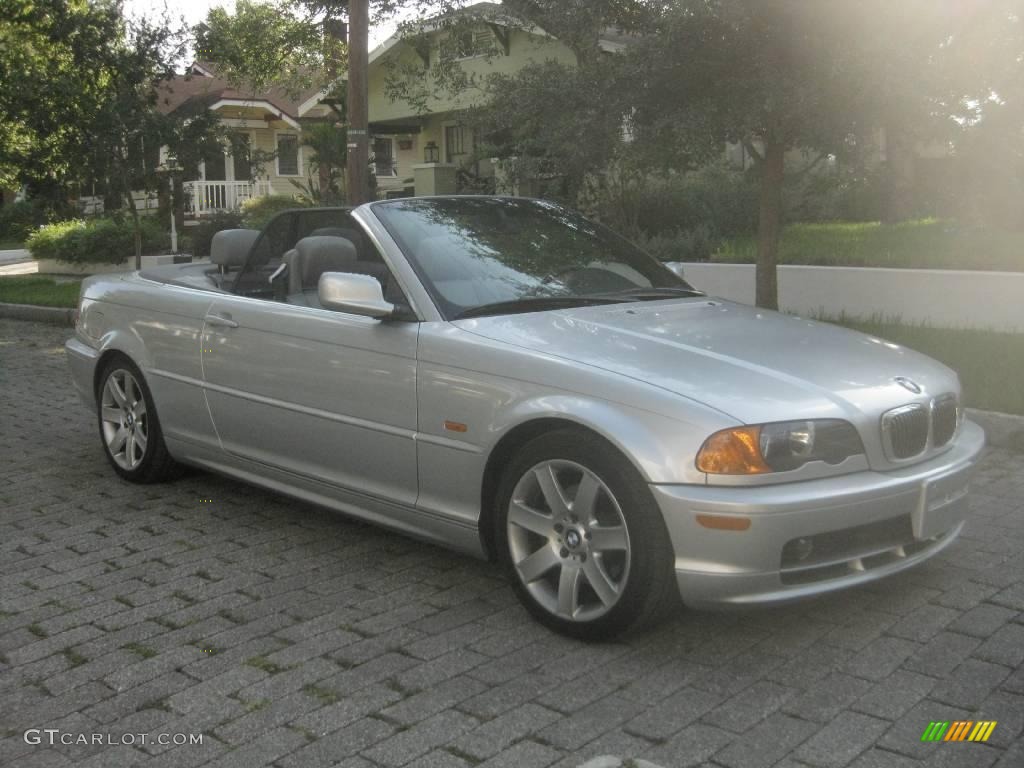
[123, 419]
[568, 540]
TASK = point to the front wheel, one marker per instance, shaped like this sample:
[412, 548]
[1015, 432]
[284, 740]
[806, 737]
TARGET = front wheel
[129, 427]
[583, 538]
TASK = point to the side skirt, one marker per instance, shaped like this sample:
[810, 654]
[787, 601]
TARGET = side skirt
[417, 523]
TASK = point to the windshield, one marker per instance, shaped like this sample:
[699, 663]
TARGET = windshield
[517, 254]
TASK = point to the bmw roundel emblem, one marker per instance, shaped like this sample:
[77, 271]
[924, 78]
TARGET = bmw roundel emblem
[906, 383]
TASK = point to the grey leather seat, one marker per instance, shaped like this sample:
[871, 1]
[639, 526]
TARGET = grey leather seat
[311, 257]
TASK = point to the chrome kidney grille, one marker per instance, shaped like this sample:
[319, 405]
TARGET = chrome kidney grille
[945, 416]
[908, 431]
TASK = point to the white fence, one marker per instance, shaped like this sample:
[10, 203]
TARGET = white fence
[939, 297]
[216, 196]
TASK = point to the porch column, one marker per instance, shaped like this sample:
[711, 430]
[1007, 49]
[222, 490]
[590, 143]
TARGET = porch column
[434, 179]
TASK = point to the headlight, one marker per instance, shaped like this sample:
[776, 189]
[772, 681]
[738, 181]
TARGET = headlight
[778, 447]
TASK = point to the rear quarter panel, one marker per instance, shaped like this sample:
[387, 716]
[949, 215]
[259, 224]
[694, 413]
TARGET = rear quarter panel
[159, 327]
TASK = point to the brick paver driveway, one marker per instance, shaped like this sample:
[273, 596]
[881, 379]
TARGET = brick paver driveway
[292, 637]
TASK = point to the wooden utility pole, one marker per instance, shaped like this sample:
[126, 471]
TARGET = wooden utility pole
[358, 122]
[335, 35]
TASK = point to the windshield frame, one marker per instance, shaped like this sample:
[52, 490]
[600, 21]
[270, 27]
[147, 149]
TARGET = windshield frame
[450, 311]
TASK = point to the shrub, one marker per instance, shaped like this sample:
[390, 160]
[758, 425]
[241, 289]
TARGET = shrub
[716, 197]
[92, 241]
[695, 244]
[19, 220]
[257, 211]
[827, 196]
[201, 235]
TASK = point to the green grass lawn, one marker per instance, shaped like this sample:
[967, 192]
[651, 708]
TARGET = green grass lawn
[926, 243]
[10, 245]
[43, 291]
[990, 363]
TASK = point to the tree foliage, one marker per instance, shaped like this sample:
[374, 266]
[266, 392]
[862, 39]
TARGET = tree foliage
[263, 44]
[49, 85]
[79, 101]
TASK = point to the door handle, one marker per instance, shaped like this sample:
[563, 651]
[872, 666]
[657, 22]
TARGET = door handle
[220, 320]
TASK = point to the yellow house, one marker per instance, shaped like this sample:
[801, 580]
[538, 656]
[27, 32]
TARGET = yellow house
[405, 140]
[271, 122]
[424, 149]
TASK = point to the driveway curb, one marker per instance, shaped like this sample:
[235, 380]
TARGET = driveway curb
[1002, 430]
[55, 315]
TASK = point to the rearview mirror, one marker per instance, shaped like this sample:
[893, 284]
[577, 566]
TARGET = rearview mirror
[355, 294]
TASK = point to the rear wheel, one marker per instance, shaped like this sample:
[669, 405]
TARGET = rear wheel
[583, 538]
[129, 427]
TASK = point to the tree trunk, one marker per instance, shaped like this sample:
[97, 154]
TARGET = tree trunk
[769, 224]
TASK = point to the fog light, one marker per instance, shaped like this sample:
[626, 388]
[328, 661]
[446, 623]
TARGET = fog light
[802, 548]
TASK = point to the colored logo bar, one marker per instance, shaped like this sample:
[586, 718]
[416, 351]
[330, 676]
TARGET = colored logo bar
[958, 730]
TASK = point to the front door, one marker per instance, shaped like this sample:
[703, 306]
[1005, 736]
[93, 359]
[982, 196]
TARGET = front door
[315, 392]
[318, 393]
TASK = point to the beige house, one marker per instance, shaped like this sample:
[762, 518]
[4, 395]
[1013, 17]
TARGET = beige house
[413, 151]
[271, 122]
[422, 150]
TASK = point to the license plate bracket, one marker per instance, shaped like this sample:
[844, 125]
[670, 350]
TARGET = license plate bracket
[942, 505]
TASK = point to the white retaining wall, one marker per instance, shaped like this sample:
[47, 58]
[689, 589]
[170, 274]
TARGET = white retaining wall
[939, 297]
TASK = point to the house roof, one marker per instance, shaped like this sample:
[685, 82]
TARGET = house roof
[609, 40]
[208, 90]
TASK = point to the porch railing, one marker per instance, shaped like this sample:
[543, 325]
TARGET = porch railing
[209, 197]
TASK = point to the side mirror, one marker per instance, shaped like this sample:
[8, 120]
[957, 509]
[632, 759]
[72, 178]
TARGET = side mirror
[675, 266]
[355, 294]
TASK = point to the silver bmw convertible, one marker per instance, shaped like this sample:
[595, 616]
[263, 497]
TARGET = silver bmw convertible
[505, 377]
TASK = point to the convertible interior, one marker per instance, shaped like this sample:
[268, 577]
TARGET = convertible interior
[276, 266]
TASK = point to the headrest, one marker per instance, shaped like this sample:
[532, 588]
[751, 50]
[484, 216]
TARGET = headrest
[317, 255]
[333, 232]
[230, 247]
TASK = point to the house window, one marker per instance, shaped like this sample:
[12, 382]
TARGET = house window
[287, 154]
[384, 157]
[471, 43]
[458, 142]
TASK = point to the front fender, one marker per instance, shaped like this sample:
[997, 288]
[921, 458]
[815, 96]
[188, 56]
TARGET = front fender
[661, 448]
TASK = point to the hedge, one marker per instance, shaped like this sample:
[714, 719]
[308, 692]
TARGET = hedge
[257, 211]
[100, 240]
[19, 220]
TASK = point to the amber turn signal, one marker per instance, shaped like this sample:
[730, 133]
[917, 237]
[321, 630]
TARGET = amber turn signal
[724, 522]
[733, 451]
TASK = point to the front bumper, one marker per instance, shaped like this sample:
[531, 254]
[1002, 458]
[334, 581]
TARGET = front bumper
[816, 536]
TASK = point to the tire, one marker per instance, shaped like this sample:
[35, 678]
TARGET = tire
[129, 427]
[594, 567]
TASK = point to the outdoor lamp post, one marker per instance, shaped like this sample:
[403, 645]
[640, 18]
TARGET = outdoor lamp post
[172, 167]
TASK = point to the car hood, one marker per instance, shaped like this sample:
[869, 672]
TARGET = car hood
[752, 364]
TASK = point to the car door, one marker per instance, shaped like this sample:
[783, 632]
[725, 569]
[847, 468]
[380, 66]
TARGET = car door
[319, 393]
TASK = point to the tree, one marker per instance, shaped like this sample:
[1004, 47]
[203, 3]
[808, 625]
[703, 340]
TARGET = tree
[80, 88]
[780, 75]
[262, 45]
[49, 86]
